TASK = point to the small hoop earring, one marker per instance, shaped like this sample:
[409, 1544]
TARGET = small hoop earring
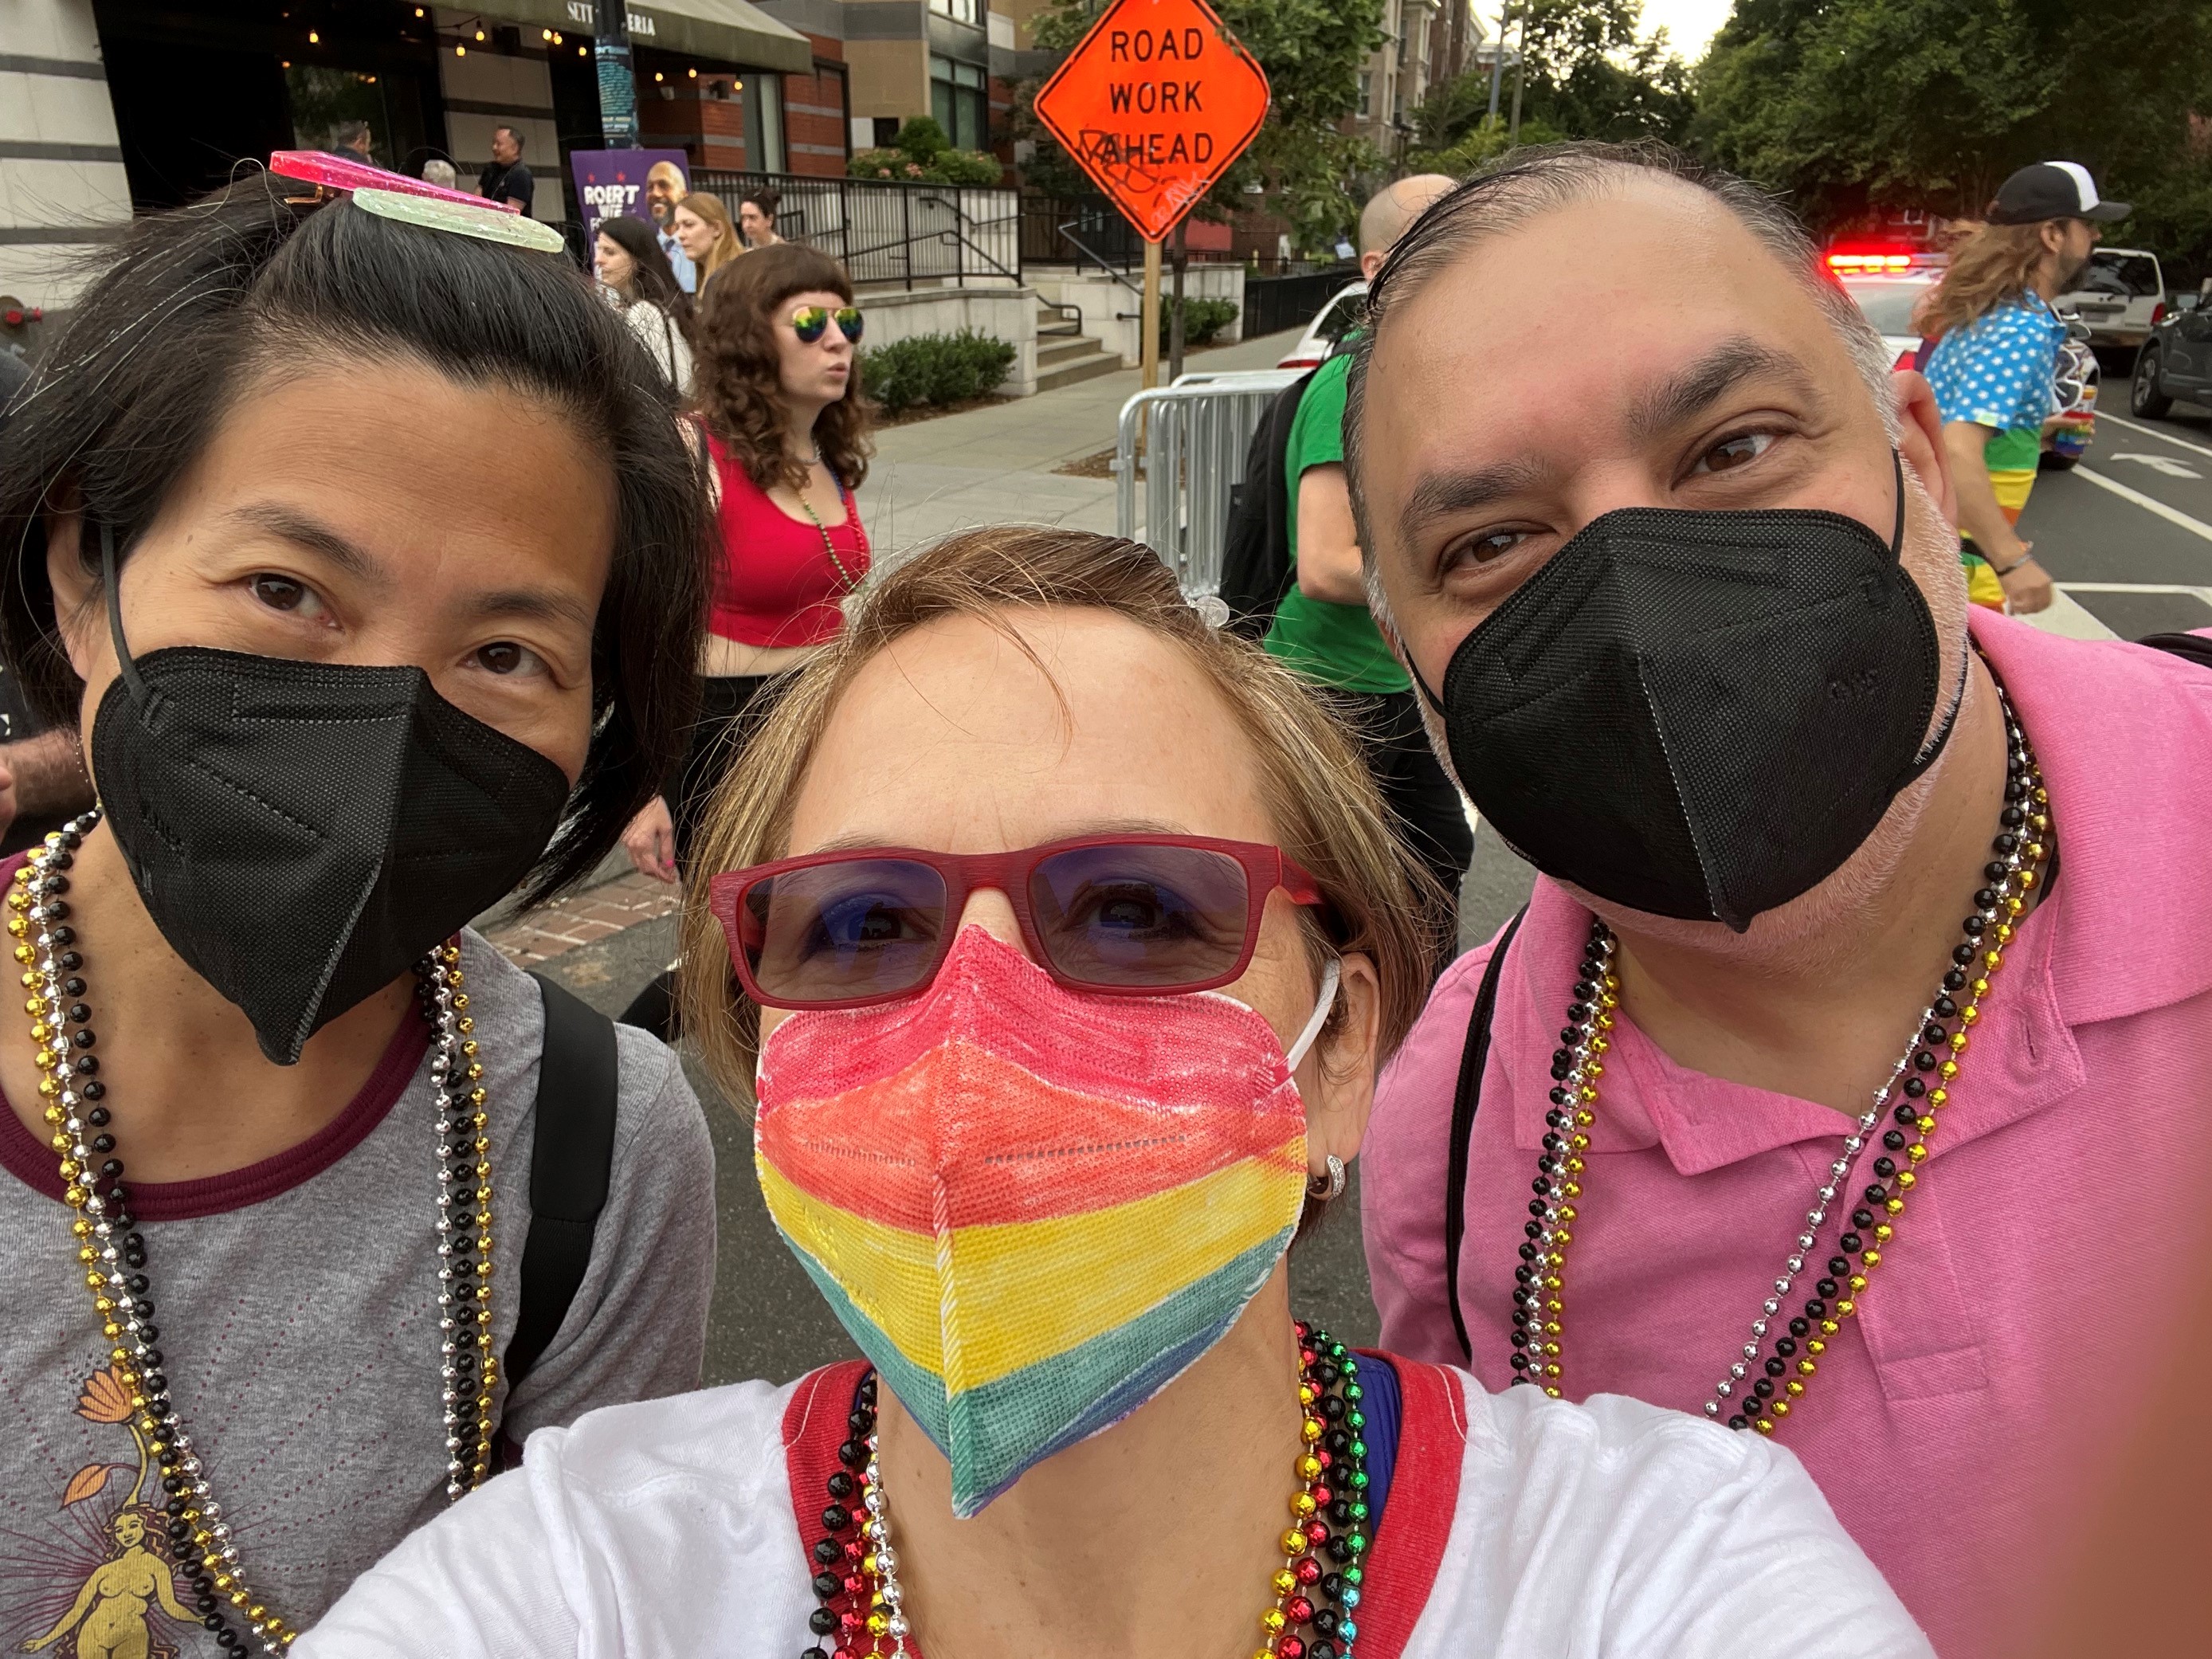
[1326, 1186]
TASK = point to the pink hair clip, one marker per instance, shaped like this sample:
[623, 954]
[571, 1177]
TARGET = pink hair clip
[335, 172]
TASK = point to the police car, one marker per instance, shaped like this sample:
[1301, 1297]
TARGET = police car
[1887, 282]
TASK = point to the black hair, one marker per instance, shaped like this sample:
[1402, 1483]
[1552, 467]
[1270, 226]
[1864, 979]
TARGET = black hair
[202, 300]
[656, 277]
[766, 197]
[514, 133]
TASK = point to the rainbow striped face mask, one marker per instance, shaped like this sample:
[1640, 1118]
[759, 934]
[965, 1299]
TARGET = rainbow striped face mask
[1033, 1209]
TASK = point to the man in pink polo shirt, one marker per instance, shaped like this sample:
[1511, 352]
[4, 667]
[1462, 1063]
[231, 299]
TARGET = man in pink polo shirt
[1849, 1076]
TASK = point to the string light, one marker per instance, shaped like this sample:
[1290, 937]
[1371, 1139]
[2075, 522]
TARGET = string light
[547, 33]
[460, 51]
[480, 35]
[313, 39]
[694, 75]
[658, 76]
[580, 52]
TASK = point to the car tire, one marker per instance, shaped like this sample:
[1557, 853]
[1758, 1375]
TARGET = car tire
[2147, 399]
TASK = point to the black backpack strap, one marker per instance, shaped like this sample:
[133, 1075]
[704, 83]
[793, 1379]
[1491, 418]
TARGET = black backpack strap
[2195, 647]
[1468, 1096]
[571, 1155]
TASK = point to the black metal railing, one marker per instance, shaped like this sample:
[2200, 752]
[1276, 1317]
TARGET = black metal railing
[1056, 231]
[884, 231]
[1274, 303]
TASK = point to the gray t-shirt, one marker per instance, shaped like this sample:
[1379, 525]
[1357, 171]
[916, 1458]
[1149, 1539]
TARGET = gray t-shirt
[297, 1305]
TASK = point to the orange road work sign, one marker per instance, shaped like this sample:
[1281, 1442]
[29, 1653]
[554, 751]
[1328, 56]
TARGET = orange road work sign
[1154, 103]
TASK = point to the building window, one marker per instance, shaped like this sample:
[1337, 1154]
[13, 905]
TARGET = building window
[764, 116]
[958, 99]
[1366, 95]
[960, 11]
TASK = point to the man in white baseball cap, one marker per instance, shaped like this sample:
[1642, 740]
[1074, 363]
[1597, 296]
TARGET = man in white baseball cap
[1996, 358]
[2052, 189]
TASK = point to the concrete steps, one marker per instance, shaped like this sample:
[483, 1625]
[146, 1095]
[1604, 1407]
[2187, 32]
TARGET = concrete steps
[1068, 359]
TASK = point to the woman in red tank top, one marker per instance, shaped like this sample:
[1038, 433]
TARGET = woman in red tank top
[780, 408]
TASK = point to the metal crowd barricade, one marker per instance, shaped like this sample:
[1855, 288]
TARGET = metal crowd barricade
[1191, 436]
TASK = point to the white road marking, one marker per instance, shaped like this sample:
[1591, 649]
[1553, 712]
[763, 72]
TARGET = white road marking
[2151, 432]
[2148, 503]
[2166, 463]
[2203, 594]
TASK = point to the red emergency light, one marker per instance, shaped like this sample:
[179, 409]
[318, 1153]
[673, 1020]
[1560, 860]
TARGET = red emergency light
[1870, 261]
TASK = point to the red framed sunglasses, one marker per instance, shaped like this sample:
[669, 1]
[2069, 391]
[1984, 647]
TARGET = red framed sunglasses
[1124, 916]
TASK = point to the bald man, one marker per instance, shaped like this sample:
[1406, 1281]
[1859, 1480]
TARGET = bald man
[665, 186]
[1322, 629]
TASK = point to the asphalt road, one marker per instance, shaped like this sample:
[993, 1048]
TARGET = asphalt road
[2128, 532]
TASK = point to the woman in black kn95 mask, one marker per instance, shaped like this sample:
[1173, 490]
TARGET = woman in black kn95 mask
[278, 1288]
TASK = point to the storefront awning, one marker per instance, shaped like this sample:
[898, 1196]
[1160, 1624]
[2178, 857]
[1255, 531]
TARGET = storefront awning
[725, 31]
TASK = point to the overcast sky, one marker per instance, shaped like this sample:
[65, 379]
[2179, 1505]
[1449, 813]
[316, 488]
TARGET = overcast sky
[1689, 23]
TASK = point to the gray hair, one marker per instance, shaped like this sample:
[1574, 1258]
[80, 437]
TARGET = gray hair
[1545, 177]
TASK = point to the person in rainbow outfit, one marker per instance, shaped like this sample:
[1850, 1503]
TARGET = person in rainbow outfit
[1995, 359]
[1058, 938]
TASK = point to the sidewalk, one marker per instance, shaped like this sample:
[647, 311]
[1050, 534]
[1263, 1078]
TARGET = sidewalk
[995, 466]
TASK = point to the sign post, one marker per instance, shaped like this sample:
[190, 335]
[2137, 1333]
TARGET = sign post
[618, 89]
[1154, 103]
[1150, 311]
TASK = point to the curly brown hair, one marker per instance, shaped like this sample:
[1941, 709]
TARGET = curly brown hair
[739, 379]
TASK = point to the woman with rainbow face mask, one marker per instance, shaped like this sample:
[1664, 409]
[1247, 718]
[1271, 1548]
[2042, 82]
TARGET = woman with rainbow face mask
[1058, 940]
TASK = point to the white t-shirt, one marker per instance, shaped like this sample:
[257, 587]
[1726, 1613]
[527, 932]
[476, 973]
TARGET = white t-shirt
[1515, 1525]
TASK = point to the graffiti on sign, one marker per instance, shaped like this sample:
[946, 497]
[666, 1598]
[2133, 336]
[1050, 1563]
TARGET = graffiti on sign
[1154, 104]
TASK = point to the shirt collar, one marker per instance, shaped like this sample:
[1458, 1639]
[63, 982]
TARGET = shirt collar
[2123, 736]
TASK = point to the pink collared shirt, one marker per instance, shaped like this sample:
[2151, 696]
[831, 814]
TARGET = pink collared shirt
[1957, 1423]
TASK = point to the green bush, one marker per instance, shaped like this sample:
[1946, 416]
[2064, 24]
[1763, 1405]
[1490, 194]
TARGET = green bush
[969, 166]
[1202, 319]
[921, 137]
[934, 368]
[894, 164]
[943, 167]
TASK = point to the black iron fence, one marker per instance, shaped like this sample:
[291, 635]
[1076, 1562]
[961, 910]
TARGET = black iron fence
[1058, 232]
[1274, 303]
[883, 231]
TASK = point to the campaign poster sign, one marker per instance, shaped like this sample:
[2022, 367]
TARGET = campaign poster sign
[610, 183]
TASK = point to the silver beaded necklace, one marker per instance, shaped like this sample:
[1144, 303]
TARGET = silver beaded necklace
[1855, 1142]
[112, 1248]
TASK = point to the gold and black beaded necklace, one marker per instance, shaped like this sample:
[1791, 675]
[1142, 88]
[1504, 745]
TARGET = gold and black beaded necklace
[1919, 1085]
[112, 1251]
[862, 1614]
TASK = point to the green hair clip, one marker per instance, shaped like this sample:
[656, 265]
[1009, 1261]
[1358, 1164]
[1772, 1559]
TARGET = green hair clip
[487, 222]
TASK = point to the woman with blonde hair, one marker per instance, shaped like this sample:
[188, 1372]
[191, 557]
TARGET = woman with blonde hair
[1058, 938]
[701, 227]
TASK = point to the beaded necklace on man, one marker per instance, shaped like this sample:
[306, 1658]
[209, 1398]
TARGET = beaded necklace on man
[113, 1251]
[1928, 1068]
[1310, 1616]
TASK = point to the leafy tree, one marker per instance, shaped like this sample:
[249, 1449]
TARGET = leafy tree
[1854, 105]
[1312, 52]
[1587, 75]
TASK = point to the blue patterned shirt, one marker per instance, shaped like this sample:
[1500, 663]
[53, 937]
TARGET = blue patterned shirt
[1998, 370]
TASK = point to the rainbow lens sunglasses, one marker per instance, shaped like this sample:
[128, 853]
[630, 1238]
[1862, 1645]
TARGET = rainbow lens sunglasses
[811, 323]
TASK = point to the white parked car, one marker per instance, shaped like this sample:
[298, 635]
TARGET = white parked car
[1333, 322]
[2121, 296]
[1888, 302]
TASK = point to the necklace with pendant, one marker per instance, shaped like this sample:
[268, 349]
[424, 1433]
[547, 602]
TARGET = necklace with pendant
[1768, 1380]
[1312, 1594]
[112, 1249]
